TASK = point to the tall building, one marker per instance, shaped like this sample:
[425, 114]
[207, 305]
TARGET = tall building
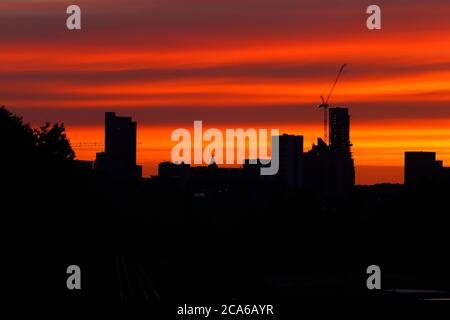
[290, 164]
[119, 157]
[339, 120]
[343, 167]
[290, 173]
[421, 166]
[329, 169]
[120, 138]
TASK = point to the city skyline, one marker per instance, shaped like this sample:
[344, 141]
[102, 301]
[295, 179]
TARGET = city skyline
[268, 67]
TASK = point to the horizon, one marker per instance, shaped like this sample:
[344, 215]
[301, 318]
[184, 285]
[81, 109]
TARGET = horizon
[365, 174]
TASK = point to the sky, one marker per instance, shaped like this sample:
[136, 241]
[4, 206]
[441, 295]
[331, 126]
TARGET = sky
[234, 64]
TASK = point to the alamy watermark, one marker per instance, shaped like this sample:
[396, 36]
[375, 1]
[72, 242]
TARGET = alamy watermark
[73, 22]
[227, 148]
[374, 20]
[74, 279]
[374, 280]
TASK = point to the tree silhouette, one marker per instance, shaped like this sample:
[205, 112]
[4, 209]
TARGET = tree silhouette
[16, 138]
[21, 144]
[52, 143]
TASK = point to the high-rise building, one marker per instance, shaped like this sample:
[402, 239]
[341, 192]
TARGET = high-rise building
[119, 157]
[329, 169]
[120, 138]
[339, 120]
[290, 172]
[421, 166]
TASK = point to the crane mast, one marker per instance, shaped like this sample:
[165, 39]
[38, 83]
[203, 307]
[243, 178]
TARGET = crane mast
[325, 104]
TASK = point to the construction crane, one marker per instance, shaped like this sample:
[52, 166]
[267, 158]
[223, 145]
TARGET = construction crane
[325, 104]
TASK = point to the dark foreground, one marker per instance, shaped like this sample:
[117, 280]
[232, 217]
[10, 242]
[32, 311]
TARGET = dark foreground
[161, 245]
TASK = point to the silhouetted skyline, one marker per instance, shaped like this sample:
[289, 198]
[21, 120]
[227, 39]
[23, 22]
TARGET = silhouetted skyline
[223, 58]
[326, 168]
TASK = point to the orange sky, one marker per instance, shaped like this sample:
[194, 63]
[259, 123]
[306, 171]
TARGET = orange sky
[232, 64]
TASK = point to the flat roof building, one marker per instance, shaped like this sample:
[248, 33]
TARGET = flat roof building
[421, 166]
[119, 157]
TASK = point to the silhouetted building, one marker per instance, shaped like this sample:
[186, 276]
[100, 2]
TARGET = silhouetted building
[421, 166]
[318, 167]
[119, 158]
[329, 169]
[445, 174]
[206, 175]
[339, 121]
[252, 171]
[290, 173]
[176, 172]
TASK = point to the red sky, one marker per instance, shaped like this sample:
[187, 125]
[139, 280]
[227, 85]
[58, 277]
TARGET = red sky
[246, 63]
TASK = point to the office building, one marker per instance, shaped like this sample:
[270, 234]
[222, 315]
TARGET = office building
[119, 158]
